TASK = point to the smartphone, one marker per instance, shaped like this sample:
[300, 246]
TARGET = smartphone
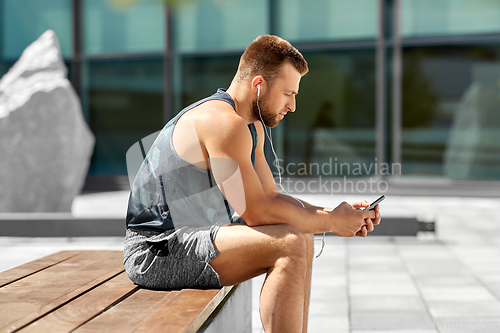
[376, 202]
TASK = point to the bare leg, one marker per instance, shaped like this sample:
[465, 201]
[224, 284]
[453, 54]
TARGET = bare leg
[307, 286]
[279, 251]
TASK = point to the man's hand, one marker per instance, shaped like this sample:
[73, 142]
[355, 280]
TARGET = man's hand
[350, 220]
[368, 227]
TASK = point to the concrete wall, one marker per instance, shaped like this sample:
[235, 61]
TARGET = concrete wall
[233, 315]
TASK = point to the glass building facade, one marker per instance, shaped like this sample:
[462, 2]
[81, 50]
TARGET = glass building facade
[414, 82]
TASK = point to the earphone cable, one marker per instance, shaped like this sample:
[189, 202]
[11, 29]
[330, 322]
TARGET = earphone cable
[269, 136]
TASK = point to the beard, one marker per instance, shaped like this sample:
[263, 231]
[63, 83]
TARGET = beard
[268, 117]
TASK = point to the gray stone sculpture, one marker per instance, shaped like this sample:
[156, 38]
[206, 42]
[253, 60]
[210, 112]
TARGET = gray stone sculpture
[45, 143]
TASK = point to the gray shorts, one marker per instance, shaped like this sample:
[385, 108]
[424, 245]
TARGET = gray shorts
[173, 259]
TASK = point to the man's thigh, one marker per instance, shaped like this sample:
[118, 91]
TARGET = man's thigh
[246, 252]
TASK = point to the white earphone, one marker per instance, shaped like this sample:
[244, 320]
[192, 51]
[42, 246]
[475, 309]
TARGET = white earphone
[258, 90]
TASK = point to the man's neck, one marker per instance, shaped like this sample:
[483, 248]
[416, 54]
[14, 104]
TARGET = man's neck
[243, 99]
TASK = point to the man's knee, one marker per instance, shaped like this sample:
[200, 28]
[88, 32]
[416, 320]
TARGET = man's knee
[294, 243]
[309, 239]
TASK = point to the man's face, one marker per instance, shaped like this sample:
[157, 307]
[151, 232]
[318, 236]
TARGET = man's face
[276, 101]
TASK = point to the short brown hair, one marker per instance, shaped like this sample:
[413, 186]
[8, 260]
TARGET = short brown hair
[265, 56]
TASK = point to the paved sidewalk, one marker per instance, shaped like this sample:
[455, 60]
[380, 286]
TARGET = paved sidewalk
[443, 282]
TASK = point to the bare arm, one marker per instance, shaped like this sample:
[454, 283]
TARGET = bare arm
[271, 190]
[297, 202]
[226, 137]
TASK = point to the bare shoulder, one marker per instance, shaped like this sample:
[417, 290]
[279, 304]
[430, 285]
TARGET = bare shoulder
[220, 128]
[212, 115]
[219, 116]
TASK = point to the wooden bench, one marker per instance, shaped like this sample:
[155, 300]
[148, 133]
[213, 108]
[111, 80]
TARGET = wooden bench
[88, 291]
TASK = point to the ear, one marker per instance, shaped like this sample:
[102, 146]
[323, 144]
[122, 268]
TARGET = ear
[257, 80]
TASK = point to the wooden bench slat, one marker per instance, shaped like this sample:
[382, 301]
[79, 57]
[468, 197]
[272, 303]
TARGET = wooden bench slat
[85, 307]
[34, 266]
[128, 314]
[186, 312]
[88, 291]
[43, 291]
[30, 317]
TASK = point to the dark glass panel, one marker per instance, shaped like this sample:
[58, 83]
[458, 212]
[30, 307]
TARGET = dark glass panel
[109, 28]
[451, 117]
[124, 101]
[23, 21]
[202, 76]
[335, 117]
[219, 25]
[324, 20]
[449, 17]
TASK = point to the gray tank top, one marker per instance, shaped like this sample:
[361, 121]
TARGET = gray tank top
[170, 192]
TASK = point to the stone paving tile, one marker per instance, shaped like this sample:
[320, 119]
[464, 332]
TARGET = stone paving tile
[476, 253]
[378, 277]
[332, 249]
[371, 246]
[484, 268]
[328, 308]
[326, 260]
[328, 324]
[387, 303]
[368, 258]
[425, 252]
[328, 281]
[332, 253]
[371, 258]
[495, 289]
[490, 277]
[324, 292]
[405, 282]
[424, 267]
[480, 264]
[445, 280]
[468, 325]
[395, 331]
[464, 293]
[321, 293]
[389, 320]
[336, 269]
[464, 308]
[394, 267]
[390, 289]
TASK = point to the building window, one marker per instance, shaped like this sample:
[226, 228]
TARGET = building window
[449, 17]
[124, 103]
[451, 118]
[211, 25]
[129, 29]
[326, 20]
[334, 120]
[23, 21]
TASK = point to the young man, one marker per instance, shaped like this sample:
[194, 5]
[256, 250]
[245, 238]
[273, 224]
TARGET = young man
[206, 167]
